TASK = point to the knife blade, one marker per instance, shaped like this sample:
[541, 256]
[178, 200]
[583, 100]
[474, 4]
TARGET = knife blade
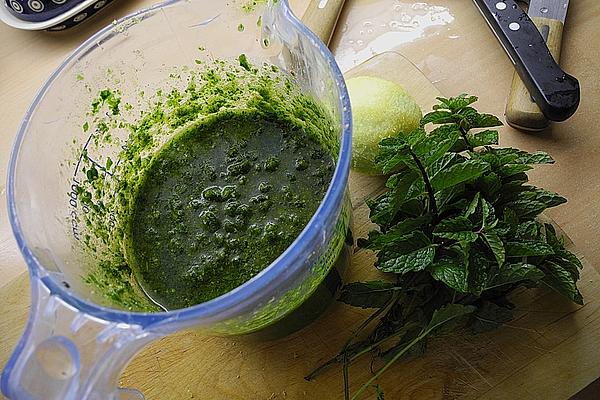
[555, 92]
[521, 111]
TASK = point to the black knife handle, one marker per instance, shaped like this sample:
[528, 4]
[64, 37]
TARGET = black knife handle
[555, 92]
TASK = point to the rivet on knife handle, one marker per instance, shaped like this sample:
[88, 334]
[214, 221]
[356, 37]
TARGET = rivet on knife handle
[555, 92]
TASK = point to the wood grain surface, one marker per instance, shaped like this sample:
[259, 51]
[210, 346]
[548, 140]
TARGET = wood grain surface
[549, 351]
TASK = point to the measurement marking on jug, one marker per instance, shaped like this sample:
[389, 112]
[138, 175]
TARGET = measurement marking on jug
[85, 153]
[76, 186]
[73, 202]
[100, 166]
[83, 150]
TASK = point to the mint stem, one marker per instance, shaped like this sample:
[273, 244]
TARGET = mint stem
[424, 333]
[463, 133]
[428, 187]
[344, 353]
[389, 364]
[345, 373]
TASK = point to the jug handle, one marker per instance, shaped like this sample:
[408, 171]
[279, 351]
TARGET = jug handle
[67, 354]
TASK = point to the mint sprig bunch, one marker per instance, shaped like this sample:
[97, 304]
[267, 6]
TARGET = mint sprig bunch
[458, 232]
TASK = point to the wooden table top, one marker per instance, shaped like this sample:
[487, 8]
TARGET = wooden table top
[451, 45]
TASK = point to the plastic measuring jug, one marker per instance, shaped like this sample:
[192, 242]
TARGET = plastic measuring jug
[75, 345]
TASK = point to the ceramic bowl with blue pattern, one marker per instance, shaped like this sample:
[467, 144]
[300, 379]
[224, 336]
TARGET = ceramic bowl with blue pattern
[39, 10]
[48, 14]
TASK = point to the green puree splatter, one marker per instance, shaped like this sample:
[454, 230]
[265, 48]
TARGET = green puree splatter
[251, 5]
[202, 189]
[220, 202]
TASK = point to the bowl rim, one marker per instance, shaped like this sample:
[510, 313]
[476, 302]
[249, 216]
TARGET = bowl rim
[211, 311]
[11, 20]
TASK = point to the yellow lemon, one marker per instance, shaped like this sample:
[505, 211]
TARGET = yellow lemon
[380, 109]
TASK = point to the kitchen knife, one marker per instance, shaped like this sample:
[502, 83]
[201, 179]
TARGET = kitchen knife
[549, 17]
[555, 92]
[321, 17]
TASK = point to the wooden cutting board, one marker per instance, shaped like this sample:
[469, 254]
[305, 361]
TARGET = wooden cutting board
[547, 352]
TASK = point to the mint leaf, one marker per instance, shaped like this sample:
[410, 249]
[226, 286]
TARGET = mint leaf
[539, 157]
[517, 272]
[483, 138]
[450, 272]
[515, 180]
[446, 314]
[455, 103]
[436, 145]
[461, 236]
[416, 190]
[529, 201]
[559, 279]
[527, 208]
[551, 237]
[408, 225]
[456, 228]
[399, 160]
[410, 208]
[381, 210]
[488, 215]
[510, 217]
[402, 181]
[528, 230]
[454, 224]
[527, 248]
[495, 244]
[480, 268]
[393, 154]
[498, 157]
[416, 260]
[473, 205]
[398, 234]
[486, 121]
[403, 187]
[569, 257]
[489, 184]
[405, 244]
[510, 155]
[437, 117]
[562, 258]
[459, 173]
[469, 118]
[513, 169]
[443, 163]
[371, 294]
[389, 209]
[450, 200]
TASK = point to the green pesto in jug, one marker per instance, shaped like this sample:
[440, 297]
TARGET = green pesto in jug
[201, 185]
[220, 202]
